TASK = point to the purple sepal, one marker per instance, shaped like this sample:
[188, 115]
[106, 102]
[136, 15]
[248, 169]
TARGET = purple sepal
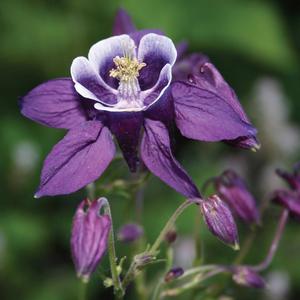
[246, 276]
[89, 237]
[188, 65]
[158, 158]
[130, 232]
[219, 220]
[203, 115]
[233, 190]
[174, 273]
[54, 103]
[207, 109]
[293, 179]
[123, 23]
[77, 160]
[127, 129]
[289, 200]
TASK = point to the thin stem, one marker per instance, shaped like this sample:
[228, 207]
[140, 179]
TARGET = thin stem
[246, 247]
[169, 225]
[251, 236]
[118, 289]
[91, 191]
[274, 245]
[192, 283]
[82, 290]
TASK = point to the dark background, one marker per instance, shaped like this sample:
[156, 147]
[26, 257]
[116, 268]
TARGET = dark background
[255, 44]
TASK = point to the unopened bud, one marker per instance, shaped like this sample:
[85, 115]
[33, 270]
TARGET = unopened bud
[89, 237]
[130, 232]
[233, 190]
[248, 277]
[173, 274]
[219, 220]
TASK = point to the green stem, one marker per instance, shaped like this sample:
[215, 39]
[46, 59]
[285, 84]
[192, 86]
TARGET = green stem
[169, 225]
[118, 289]
[82, 290]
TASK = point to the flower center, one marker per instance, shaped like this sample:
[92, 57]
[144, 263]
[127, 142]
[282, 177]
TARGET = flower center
[127, 71]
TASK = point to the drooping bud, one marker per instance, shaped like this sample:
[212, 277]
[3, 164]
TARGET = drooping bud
[130, 232]
[219, 220]
[246, 276]
[89, 237]
[173, 274]
[293, 179]
[171, 236]
[233, 190]
[289, 200]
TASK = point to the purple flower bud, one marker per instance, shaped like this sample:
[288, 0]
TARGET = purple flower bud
[89, 237]
[233, 190]
[290, 200]
[173, 274]
[248, 277]
[171, 236]
[130, 232]
[220, 221]
[293, 179]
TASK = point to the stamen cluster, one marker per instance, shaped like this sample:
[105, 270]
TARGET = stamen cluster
[126, 68]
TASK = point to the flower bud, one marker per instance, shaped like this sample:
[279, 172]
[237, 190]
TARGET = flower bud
[233, 190]
[248, 277]
[89, 237]
[289, 200]
[171, 236]
[220, 221]
[130, 232]
[173, 274]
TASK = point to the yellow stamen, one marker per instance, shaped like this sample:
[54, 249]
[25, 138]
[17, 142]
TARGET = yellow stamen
[126, 68]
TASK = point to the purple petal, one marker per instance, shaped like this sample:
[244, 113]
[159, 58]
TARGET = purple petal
[89, 84]
[101, 55]
[137, 35]
[157, 156]
[156, 51]
[188, 65]
[181, 48]
[77, 160]
[127, 128]
[154, 94]
[54, 103]
[204, 115]
[290, 200]
[123, 23]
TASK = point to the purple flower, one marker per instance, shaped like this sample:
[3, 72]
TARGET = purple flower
[290, 199]
[126, 89]
[293, 179]
[246, 276]
[89, 237]
[130, 232]
[233, 190]
[219, 220]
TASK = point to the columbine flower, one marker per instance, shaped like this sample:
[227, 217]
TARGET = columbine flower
[219, 220]
[89, 237]
[290, 199]
[130, 232]
[246, 276]
[293, 179]
[125, 88]
[233, 190]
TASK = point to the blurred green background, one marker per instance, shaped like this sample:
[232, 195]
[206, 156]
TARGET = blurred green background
[255, 44]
